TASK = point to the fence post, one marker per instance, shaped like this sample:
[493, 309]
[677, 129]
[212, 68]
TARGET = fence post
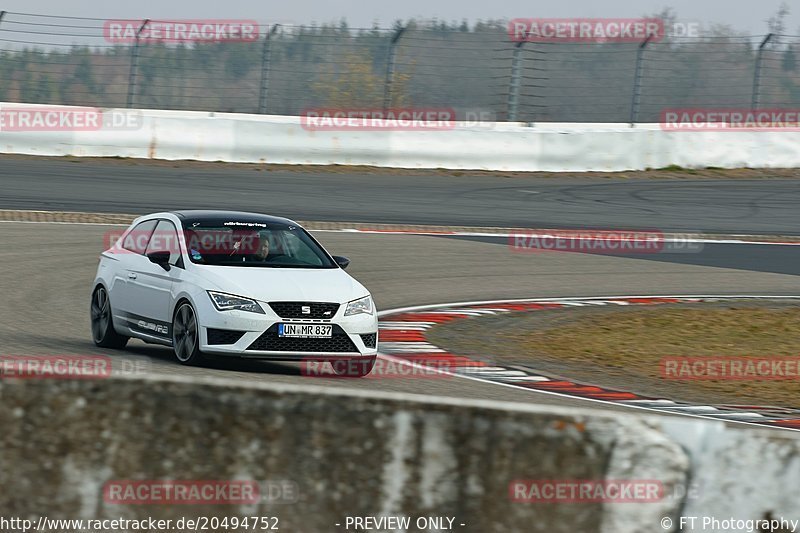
[134, 64]
[266, 60]
[2, 14]
[757, 74]
[390, 68]
[637, 81]
[514, 84]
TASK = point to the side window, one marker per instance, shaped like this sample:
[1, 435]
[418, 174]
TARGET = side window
[136, 241]
[165, 239]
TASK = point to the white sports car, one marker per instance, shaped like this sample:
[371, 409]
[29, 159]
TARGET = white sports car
[236, 284]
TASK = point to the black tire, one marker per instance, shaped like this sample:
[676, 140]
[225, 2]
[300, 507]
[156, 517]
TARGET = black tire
[353, 368]
[186, 335]
[103, 332]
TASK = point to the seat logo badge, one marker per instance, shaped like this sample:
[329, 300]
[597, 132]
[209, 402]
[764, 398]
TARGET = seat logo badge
[327, 313]
[306, 309]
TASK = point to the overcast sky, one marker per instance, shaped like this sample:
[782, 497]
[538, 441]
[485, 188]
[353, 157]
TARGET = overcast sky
[745, 15]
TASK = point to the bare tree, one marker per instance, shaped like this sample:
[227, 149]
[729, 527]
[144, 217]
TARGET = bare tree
[777, 23]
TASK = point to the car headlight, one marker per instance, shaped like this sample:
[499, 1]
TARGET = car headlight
[362, 305]
[229, 302]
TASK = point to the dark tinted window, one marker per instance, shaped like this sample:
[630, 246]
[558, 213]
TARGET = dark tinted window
[165, 239]
[137, 239]
[254, 245]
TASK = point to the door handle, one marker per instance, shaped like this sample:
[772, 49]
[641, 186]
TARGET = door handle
[131, 275]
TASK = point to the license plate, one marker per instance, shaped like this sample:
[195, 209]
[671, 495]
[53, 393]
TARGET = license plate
[307, 331]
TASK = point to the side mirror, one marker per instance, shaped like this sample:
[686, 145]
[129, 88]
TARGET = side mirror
[341, 261]
[161, 258]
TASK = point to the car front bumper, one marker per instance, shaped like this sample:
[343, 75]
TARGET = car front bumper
[253, 326]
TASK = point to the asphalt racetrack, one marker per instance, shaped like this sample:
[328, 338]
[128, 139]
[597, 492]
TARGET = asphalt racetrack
[47, 268]
[758, 206]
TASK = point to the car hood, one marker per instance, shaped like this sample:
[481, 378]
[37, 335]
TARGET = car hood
[284, 284]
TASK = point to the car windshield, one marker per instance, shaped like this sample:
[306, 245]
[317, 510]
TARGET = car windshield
[254, 245]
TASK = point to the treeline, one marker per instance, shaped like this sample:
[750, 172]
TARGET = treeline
[437, 63]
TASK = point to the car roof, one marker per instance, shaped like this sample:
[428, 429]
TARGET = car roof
[210, 216]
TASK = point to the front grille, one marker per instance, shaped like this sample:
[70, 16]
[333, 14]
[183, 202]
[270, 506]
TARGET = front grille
[223, 336]
[370, 339]
[295, 309]
[338, 343]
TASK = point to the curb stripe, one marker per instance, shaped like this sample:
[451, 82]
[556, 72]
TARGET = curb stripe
[410, 345]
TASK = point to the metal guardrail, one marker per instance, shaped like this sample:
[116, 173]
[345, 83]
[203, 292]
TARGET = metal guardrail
[69, 60]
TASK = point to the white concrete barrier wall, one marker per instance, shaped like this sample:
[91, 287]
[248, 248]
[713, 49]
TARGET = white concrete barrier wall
[203, 136]
[369, 453]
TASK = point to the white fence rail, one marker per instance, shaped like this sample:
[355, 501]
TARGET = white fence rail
[554, 147]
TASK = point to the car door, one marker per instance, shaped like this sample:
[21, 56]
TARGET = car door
[127, 254]
[151, 284]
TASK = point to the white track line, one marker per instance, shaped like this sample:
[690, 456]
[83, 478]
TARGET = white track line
[527, 233]
[667, 407]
